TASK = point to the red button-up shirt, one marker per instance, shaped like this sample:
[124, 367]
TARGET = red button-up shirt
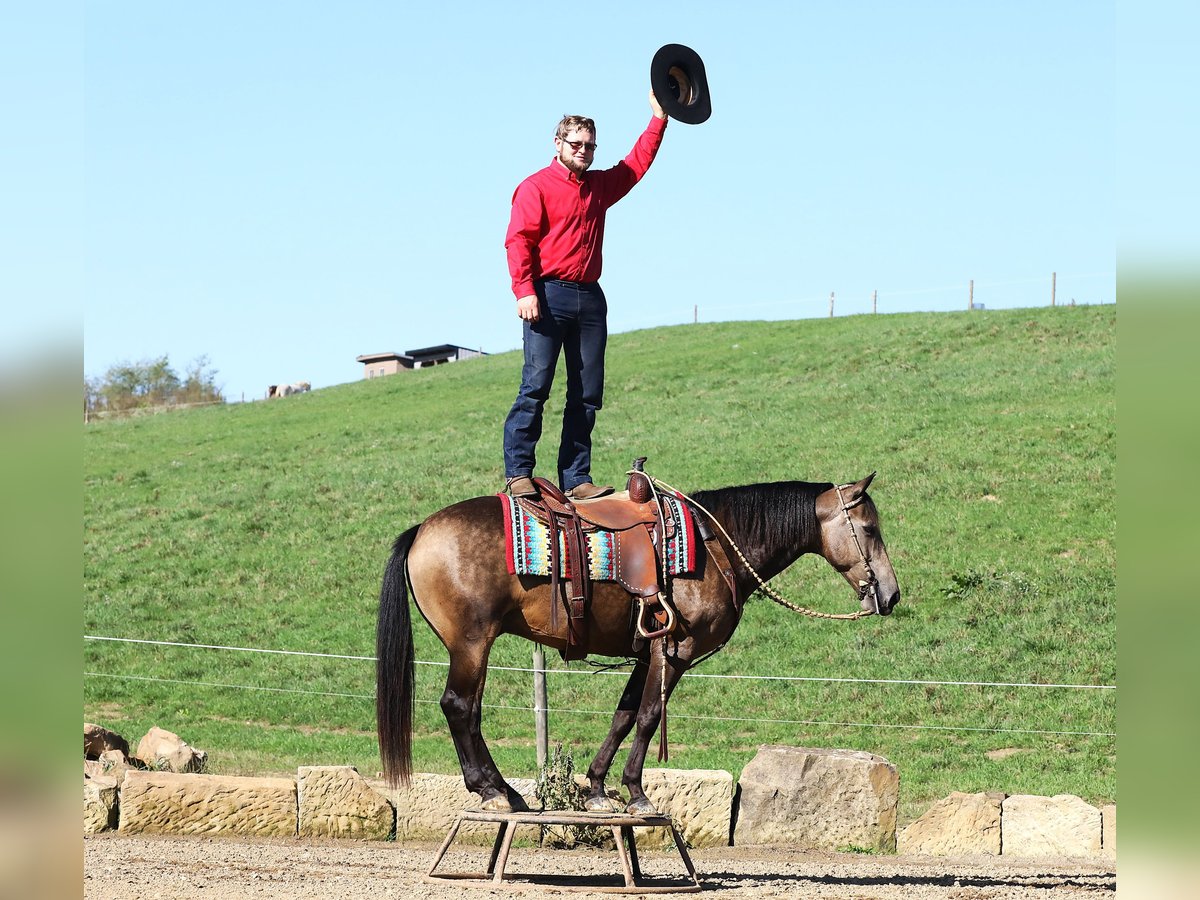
[557, 224]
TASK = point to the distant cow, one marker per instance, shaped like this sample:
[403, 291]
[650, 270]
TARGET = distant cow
[286, 390]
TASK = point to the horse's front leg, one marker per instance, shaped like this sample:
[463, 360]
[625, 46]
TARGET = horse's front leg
[648, 716]
[623, 718]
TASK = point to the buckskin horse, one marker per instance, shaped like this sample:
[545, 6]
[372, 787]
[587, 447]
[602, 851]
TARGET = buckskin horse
[455, 567]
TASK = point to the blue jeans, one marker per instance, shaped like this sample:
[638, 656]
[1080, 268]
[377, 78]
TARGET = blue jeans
[574, 320]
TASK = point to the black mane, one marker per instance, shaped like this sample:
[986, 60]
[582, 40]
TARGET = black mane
[774, 515]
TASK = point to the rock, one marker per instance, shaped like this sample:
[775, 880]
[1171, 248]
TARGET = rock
[99, 804]
[98, 740]
[335, 801]
[427, 808]
[700, 801]
[825, 799]
[1108, 830]
[1064, 825]
[164, 749]
[169, 803]
[960, 823]
[113, 763]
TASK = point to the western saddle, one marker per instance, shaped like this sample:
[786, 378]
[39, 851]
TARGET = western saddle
[640, 525]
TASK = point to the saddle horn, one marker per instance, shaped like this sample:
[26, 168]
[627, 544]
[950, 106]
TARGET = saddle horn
[638, 484]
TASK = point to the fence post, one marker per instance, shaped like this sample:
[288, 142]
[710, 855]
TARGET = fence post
[874, 301]
[539, 704]
[971, 295]
[831, 304]
[1053, 286]
[695, 313]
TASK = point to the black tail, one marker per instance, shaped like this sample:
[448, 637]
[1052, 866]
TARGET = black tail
[394, 666]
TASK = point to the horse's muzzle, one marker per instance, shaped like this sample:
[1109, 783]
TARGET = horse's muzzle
[874, 600]
[887, 602]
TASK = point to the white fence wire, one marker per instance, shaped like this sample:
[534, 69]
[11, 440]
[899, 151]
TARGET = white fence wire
[555, 672]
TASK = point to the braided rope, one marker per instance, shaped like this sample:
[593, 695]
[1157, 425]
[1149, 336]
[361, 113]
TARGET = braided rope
[762, 585]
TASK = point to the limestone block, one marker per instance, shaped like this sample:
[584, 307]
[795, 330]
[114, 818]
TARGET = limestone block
[825, 799]
[99, 804]
[1108, 830]
[335, 801]
[700, 801]
[170, 803]
[1064, 825]
[960, 823]
[427, 808]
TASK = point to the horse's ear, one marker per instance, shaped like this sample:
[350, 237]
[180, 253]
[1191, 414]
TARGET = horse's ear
[861, 487]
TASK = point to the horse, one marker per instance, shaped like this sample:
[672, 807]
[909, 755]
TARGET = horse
[454, 566]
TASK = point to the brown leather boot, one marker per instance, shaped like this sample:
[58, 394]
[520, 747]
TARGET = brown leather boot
[588, 491]
[521, 486]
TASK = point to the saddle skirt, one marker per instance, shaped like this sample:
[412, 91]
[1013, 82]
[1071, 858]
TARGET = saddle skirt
[624, 540]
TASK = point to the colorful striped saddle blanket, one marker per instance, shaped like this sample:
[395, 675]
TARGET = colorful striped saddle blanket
[527, 543]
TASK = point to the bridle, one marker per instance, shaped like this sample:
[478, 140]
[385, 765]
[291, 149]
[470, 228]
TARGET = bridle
[870, 585]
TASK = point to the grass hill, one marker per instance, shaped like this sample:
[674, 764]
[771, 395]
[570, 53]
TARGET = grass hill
[266, 526]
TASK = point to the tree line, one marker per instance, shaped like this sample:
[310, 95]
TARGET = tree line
[128, 387]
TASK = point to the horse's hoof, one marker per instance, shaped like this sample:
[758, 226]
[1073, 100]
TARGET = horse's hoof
[599, 804]
[516, 803]
[496, 803]
[641, 807]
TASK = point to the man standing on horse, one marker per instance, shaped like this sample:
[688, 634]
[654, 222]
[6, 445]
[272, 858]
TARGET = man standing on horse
[554, 245]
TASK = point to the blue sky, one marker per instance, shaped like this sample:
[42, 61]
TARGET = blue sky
[284, 186]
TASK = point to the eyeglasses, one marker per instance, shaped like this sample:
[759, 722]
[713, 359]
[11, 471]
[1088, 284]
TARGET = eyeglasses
[575, 145]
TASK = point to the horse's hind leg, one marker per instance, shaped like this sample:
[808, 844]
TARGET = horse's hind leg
[462, 704]
[648, 716]
[623, 719]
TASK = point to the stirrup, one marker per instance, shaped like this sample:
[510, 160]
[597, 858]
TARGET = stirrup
[666, 629]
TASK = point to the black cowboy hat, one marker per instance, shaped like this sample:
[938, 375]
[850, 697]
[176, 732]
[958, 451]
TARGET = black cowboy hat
[678, 80]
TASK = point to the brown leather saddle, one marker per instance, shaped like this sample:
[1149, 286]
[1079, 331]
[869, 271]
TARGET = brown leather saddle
[640, 527]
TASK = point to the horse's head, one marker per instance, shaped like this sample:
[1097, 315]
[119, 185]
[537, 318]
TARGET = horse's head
[852, 542]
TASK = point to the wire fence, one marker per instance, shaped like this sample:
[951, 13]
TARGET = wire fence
[1085, 289]
[554, 672]
[92, 414]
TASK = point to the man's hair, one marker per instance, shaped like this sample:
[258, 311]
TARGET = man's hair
[574, 123]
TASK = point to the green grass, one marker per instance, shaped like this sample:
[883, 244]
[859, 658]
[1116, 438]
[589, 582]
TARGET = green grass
[267, 525]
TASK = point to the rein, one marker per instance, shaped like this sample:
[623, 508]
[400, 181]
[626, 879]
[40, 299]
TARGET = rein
[771, 592]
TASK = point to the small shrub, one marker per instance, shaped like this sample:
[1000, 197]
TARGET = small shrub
[556, 788]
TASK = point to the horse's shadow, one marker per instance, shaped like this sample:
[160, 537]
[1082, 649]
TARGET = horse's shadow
[1097, 881]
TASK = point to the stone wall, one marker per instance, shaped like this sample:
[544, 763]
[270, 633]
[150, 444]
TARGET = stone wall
[335, 801]
[823, 799]
[1023, 825]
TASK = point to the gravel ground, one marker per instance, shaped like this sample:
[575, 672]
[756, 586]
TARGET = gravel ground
[149, 868]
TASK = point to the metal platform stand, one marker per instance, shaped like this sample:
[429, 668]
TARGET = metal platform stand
[622, 826]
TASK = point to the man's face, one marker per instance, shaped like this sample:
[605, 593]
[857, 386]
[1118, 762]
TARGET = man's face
[576, 150]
